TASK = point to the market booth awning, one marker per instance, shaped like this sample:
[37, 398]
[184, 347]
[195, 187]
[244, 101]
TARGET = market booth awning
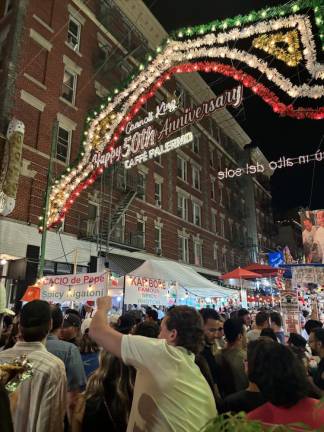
[186, 277]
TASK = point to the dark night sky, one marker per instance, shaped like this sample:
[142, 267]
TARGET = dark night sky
[276, 136]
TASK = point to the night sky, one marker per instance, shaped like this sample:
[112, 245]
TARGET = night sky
[276, 136]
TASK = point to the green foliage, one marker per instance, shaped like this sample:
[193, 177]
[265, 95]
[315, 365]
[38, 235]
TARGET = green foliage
[239, 422]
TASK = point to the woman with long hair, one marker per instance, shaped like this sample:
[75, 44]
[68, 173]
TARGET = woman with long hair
[89, 351]
[107, 400]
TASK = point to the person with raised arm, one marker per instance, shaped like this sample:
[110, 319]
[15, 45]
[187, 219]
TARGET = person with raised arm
[170, 392]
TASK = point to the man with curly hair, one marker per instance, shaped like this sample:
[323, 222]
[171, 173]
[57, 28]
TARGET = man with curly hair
[170, 392]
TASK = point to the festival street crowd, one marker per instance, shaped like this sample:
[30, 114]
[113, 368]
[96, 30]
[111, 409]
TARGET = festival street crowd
[154, 370]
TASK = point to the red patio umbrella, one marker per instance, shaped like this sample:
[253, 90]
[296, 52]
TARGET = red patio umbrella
[263, 269]
[240, 273]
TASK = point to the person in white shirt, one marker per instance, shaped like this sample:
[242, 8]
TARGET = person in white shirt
[308, 237]
[40, 401]
[319, 234]
[170, 392]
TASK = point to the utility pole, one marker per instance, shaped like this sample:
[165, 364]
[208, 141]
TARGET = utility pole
[47, 194]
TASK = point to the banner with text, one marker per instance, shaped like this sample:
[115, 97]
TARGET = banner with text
[307, 274]
[290, 311]
[76, 287]
[146, 291]
[312, 223]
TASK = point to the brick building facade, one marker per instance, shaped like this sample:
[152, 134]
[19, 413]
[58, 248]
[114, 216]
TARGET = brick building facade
[58, 60]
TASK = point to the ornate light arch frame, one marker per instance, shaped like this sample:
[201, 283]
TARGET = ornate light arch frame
[275, 52]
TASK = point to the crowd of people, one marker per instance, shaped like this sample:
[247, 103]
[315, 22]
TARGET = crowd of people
[158, 373]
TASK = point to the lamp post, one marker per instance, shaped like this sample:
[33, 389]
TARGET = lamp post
[47, 194]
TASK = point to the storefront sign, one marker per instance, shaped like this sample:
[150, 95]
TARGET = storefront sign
[145, 291]
[138, 145]
[307, 274]
[78, 287]
[290, 311]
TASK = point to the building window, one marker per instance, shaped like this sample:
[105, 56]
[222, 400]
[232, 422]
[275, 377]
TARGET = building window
[140, 234]
[214, 221]
[222, 227]
[63, 144]
[232, 259]
[224, 258]
[195, 144]
[219, 161]
[93, 220]
[196, 177]
[158, 159]
[74, 33]
[183, 249]
[141, 186]
[198, 253]
[182, 168]
[212, 189]
[118, 232]
[7, 7]
[158, 194]
[215, 256]
[158, 240]
[196, 210]
[229, 198]
[243, 207]
[69, 86]
[211, 157]
[221, 202]
[182, 207]
[230, 229]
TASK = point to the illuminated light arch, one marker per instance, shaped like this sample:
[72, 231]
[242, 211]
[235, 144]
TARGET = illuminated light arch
[284, 34]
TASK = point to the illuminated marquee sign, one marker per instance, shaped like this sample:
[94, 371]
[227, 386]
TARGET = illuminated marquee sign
[139, 146]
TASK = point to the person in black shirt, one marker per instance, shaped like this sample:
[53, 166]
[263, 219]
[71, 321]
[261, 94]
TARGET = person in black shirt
[211, 321]
[205, 359]
[316, 342]
[5, 417]
[251, 398]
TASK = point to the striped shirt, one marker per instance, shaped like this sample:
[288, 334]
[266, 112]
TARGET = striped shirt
[40, 402]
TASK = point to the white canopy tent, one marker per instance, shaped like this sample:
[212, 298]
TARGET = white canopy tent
[185, 277]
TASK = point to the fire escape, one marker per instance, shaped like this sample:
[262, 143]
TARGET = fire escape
[105, 224]
[117, 188]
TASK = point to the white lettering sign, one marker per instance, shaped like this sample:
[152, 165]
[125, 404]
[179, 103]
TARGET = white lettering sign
[145, 291]
[161, 110]
[282, 162]
[79, 287]
[139, 142]
[159, 150]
